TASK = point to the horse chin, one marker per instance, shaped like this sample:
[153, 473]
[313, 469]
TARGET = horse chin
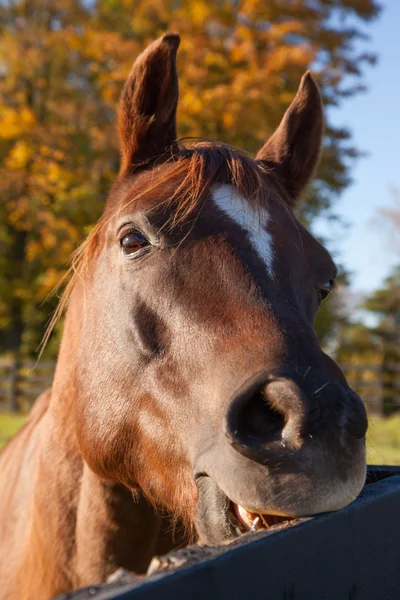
[219, 520]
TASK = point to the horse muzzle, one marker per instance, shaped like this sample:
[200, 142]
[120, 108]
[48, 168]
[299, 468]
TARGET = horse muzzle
[290, 445]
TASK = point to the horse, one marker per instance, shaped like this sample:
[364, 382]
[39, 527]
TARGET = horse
[190, 383]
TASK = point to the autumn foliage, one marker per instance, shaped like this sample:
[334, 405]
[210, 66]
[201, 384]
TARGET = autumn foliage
[62, 66]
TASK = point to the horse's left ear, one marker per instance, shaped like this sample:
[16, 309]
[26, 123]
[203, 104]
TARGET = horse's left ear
[147, 112]
[295, 146]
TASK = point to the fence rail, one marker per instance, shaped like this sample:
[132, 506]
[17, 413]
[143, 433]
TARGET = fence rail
[21, 381]
[352, 554]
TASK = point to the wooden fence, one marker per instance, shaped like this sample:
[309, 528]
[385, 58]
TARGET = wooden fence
[378, 386]
[22, 381]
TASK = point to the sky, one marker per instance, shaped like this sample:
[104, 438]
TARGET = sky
[373, 118]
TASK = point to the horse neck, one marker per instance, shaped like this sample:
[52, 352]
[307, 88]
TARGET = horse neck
[112, 529]
[81, 528]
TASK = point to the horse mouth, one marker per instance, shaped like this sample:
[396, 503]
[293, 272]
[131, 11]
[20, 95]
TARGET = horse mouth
[244, 521]
[220, 520]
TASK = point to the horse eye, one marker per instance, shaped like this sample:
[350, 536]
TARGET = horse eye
[133, 242]
[325, 289]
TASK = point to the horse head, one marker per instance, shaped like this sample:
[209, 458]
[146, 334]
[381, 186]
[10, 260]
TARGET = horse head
[200, 382]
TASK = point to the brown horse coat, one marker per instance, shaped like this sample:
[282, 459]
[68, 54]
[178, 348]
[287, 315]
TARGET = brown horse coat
[190, 382]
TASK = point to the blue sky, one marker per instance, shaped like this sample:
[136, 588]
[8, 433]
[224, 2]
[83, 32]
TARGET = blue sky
[374, 119]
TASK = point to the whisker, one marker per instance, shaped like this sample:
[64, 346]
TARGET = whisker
[321, 388]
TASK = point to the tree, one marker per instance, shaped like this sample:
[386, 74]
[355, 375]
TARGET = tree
[62, 64]
[385, 303]
[375, 347]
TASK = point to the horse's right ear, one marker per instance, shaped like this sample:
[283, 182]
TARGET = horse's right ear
[147, 112]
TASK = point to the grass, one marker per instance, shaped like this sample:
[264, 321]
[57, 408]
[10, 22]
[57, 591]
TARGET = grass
[9, 425]
[383, 439]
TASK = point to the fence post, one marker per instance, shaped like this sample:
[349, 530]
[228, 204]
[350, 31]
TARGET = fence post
[379, 400]
[13, 391]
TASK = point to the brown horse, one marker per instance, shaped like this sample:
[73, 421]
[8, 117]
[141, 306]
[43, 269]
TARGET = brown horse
[189, 378]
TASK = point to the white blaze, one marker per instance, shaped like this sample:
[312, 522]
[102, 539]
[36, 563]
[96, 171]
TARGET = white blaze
[253, 221]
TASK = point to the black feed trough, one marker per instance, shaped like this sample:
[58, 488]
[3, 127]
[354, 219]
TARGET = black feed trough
[353, 554]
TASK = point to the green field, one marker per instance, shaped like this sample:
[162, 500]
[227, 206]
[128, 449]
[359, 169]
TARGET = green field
[383, 439]
[9, 424]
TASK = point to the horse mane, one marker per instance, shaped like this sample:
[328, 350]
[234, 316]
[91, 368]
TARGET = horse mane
[198, 167]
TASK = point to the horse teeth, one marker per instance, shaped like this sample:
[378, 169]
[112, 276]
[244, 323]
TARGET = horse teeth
[255, 523]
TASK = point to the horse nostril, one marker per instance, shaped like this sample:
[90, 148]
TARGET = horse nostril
[260, 420]
[266, 409]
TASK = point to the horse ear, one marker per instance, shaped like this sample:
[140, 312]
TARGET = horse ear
[147, 112]
[295, 146]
